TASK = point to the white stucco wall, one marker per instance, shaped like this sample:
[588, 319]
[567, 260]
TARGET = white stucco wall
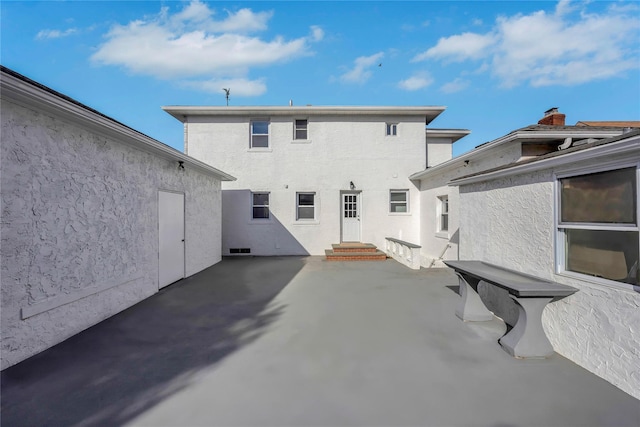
[80, 227]
[510, 222]
[439, 246]
[339, 150]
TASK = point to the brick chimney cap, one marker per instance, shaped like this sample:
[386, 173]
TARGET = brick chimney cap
[551, 110]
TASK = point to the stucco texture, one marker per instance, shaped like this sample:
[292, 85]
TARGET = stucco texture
[510, 222]
[80, 227]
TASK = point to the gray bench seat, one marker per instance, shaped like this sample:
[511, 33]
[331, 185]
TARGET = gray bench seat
[531, 294]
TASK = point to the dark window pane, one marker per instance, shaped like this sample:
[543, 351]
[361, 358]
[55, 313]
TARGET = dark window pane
[301, 134]
[260, 141]
[605, 197]
[609, 254]
[399, 207]
[306, 199]
[260, 198]
[400, 196]
[444, 222]
[261, 212]
[259, 128]
[306, 212]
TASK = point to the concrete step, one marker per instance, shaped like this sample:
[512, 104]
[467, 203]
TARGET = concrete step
[354, 247]
[377, 255]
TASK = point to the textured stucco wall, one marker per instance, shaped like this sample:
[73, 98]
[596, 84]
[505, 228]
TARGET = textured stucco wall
[339, 150]
[437, 244]
[510, 222]
[80, 214]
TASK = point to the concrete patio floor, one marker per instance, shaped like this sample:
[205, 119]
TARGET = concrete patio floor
[297, 341]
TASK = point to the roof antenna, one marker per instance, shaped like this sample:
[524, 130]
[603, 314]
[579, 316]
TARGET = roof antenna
[226, 94]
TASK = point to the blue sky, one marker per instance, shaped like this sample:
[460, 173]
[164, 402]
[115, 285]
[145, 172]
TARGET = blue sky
[496, 66]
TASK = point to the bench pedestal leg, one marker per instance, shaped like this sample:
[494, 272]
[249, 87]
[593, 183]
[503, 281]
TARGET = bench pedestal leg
[527, 338]
[470, 307]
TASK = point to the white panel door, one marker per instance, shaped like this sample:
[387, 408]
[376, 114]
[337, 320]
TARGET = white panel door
[350, 217]
[171, 237]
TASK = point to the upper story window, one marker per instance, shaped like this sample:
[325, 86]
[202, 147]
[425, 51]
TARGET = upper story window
[260, 205]
[259, 134]
[305, 206]
[399, 201]
[598, 225]
[300, 129]
[392, 129]
[443, 213]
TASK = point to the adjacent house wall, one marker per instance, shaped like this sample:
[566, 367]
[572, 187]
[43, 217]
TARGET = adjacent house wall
[339, 150]
[510, 222]
[80, 226]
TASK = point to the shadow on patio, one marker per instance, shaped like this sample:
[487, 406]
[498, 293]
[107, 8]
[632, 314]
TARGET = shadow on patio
[121, 367]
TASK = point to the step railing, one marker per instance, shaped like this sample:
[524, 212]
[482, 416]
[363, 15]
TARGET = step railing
[403, 252]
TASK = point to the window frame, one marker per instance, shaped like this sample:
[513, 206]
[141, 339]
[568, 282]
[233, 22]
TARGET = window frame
[442, 202]
[407, 195]
[252, 134]
[560, 226]
[254, 205]
[314, 206]
[295, 129]
[391, 129]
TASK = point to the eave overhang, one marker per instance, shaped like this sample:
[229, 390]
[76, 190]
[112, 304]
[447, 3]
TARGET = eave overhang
[182, 112]
[27, 93]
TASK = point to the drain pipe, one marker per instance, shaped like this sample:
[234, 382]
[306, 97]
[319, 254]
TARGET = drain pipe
[433, 261]
[566, 144]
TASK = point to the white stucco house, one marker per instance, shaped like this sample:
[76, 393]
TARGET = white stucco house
[572, 217]
[95, 216]
[312, 176]
[440, 201]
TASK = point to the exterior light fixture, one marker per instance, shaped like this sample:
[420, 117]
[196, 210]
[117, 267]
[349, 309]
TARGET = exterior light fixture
[180, 164]
[352, 185]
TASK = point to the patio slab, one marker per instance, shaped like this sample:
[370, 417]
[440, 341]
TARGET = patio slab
[297, 341]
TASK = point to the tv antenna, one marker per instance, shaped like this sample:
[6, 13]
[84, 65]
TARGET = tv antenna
[226, 94]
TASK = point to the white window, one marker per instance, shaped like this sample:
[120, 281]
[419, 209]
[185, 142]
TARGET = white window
[598, 225]
[443, 213]
[259, 134]
[399, 201]
[300, 129]
[392, 129]
[305, 206]
[260, 205]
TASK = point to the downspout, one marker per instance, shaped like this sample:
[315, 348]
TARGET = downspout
[566, 144]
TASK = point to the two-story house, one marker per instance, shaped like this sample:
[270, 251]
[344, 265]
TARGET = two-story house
[310, 176]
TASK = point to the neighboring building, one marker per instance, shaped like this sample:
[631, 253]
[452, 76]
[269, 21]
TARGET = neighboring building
[313, 176]
[440, 205]
[570, 216]
[95, 217]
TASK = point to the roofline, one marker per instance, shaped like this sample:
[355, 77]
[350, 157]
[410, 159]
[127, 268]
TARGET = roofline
[622, 144]
[30, 94]
[454, 134]
[517, 135]
[181, 112]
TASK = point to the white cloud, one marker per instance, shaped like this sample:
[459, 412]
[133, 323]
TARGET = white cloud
[55, 34]
[361, 71]
[193, 43]
[416, 82]
[458, 48]
[568, 46]
[456, 85]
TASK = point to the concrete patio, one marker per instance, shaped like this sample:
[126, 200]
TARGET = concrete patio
[300, 341]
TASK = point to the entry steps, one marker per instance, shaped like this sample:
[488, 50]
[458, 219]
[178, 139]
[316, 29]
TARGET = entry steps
[354, 252]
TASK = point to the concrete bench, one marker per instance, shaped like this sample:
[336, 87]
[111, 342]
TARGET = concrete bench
[404, 252]
[531, 294]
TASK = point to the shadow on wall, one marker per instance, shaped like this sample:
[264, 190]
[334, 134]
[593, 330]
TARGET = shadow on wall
[118, 369]
[262, 236]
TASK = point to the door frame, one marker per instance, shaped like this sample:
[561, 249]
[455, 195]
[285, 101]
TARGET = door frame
[358, 193]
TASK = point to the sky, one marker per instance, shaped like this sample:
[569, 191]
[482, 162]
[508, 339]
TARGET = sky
[496, 66]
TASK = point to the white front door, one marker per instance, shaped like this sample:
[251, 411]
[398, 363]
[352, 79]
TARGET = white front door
[171, 237]
[350, 217]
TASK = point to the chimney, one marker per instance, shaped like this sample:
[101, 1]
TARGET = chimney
[552, 118]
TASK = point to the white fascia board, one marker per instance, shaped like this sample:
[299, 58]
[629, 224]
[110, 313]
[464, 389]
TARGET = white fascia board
[181, 112]
[521, 136]
[454, 134]
[630, 147]
[29, 96]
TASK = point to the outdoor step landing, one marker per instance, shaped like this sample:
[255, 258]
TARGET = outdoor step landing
[354, 247]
